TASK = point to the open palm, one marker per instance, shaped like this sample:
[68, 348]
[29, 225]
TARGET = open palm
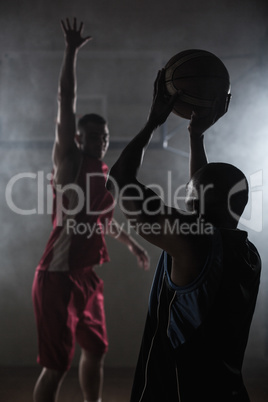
[73, 35]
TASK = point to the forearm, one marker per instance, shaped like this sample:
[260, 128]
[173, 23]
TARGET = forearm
[126, 168]
[198, 157]
[117, 232]
[67, 80]
[65, 129]
[134, 247]
[66, 124]
[128, 240]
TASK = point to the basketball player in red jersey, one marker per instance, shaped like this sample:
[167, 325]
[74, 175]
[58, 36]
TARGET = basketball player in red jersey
[206, 283]
[67, 293]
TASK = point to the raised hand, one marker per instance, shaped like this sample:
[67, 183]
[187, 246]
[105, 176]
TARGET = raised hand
[73, 35]
[200, 122]
[163, 103]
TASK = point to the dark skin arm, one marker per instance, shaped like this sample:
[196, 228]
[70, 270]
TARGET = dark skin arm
[65, 153]
[66, 156]
[140, 204]
[197, 127]
[198, 157]
[146, 209]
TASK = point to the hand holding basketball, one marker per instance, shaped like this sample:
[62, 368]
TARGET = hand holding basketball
[163, 103]
[202, 120]
[199, 124]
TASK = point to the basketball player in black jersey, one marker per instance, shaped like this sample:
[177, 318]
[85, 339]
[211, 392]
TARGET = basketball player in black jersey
[205, 287]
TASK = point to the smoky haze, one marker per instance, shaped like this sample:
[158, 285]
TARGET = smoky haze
[116, 71]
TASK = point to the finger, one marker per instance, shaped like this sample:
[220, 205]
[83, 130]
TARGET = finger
[68, 24]
[145, 261]
[219, 108]
[215, 106]
[63, 26]
[193, 115]
[192, 120]
[74, 24]
[146, 264]
[156, 82]
[81, 27]
[173, 99]
[162, 73]
[86, 39]
[140, 261]
[161, 82]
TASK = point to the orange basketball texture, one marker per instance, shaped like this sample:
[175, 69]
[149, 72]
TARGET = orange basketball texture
[201, 76]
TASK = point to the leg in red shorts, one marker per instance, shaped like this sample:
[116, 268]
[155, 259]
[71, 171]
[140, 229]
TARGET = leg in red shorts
[68, 307]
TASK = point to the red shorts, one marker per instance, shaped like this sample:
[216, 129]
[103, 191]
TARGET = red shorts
[68, 307]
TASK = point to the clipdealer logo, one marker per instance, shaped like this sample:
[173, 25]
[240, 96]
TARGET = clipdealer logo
[81, 199]
[255, 218]
[43, 202]
[100, 228]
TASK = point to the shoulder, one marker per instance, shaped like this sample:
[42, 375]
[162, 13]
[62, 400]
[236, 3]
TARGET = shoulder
[202, 255]
[192, 254]
[240, 254]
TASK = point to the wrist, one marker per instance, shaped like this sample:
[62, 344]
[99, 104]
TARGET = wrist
[151, 124]
[196, 136]
[70, 49]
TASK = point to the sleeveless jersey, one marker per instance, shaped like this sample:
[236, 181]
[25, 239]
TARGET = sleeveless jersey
[195, 336]
[81, 213]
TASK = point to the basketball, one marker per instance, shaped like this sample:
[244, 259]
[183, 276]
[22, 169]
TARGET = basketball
[202, 77]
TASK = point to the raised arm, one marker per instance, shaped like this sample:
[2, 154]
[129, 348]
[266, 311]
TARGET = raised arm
[199, 123]
[139, 203]
[125, 170]
[166, 227]
[198, 157]
[66, 125]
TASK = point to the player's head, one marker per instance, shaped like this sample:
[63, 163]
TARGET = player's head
[93, 135]
[219, 193]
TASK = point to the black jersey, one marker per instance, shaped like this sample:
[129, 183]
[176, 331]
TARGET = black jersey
[195, 336]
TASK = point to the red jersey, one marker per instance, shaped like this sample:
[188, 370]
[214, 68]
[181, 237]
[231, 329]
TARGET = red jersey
[81, 213]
